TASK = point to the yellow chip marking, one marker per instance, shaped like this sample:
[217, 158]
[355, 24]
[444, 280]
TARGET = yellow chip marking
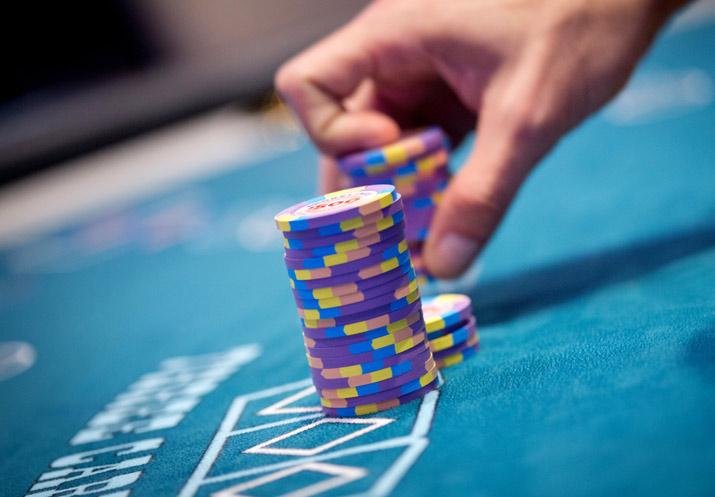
[347, 246]
[332, 260]
[355, 328]
[351, 370]
[303, 274]
[323, 293]
[395, 153]
[385, 222]
[368, 409]
[383, 374]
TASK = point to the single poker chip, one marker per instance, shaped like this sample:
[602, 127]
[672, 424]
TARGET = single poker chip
[442, 354]
[400, 368]
[421, 168]
[391, 393]
[436, 183]
[406, 180]
[387, 223]
[446, 309]
[368, 336]
[426, 160]
[446, 331]
[362, 347]
[412, 144]
[366, 330]
[348, 245]
[366, 320]
[346, 267]
[384, 279]
[379, 406]
[318, 278]
[360, 310]
[377, 387]
[392, 285]
[335, 207]
[373, 296]
[458, 357]
[388, 248]
[371, 356]
[456, 337]
[420, 203]
[348, 225]
[372, 366]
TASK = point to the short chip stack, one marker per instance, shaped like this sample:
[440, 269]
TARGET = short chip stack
[417, 165]
[358, 299]
[451, 328]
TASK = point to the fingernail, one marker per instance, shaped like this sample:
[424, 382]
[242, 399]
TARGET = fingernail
[455, 253]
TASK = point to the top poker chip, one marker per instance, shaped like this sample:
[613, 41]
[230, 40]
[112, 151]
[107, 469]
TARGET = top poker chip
[409, 147]
[335, 207]
[445, 310]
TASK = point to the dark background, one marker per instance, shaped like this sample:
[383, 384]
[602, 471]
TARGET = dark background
[80, 75]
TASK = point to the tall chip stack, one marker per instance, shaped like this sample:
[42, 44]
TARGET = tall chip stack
[417, 165]
[358, 300]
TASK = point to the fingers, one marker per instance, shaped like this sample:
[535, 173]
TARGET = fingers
[317, 82]
[479, 195]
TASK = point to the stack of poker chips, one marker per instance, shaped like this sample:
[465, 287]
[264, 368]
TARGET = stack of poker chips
[451, 328]
[358, 300]
[417, 165]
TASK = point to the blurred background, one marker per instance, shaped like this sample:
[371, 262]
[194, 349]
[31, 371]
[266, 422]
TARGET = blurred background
[79, 76]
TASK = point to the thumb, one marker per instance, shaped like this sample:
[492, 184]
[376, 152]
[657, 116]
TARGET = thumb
[479, 195]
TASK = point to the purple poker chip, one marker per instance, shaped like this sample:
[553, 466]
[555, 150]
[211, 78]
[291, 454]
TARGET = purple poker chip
[384, 224]
[456, 349]
[347, 245]
[379, 386]
[422, 167]
[335, 207]
[371, 356]
[412, 144]
[321, 280]
[389, 286]
[389, 302]
[347, 224]
[344, 257]
[371, 366]
[364, 346]
[382, 173]
[380, 406]
[383, 279]
[418, 358]
[386, 293]
[449, 329]
[368, 336]
[302, 274]
[421, 202]
[390, 393]
[373, 327]
[381, 314]
[457, 336]
[436, 183]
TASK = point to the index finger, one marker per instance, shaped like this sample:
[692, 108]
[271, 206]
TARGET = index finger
[316, 82]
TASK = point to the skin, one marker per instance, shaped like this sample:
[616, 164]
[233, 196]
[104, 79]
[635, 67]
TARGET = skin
[522, 73]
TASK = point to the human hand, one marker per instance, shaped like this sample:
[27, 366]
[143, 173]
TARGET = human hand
[522, 72]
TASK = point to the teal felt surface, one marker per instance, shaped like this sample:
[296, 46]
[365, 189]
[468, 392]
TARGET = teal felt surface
[596, 311]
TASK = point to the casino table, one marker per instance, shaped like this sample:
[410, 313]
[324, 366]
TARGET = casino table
[153, 349]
